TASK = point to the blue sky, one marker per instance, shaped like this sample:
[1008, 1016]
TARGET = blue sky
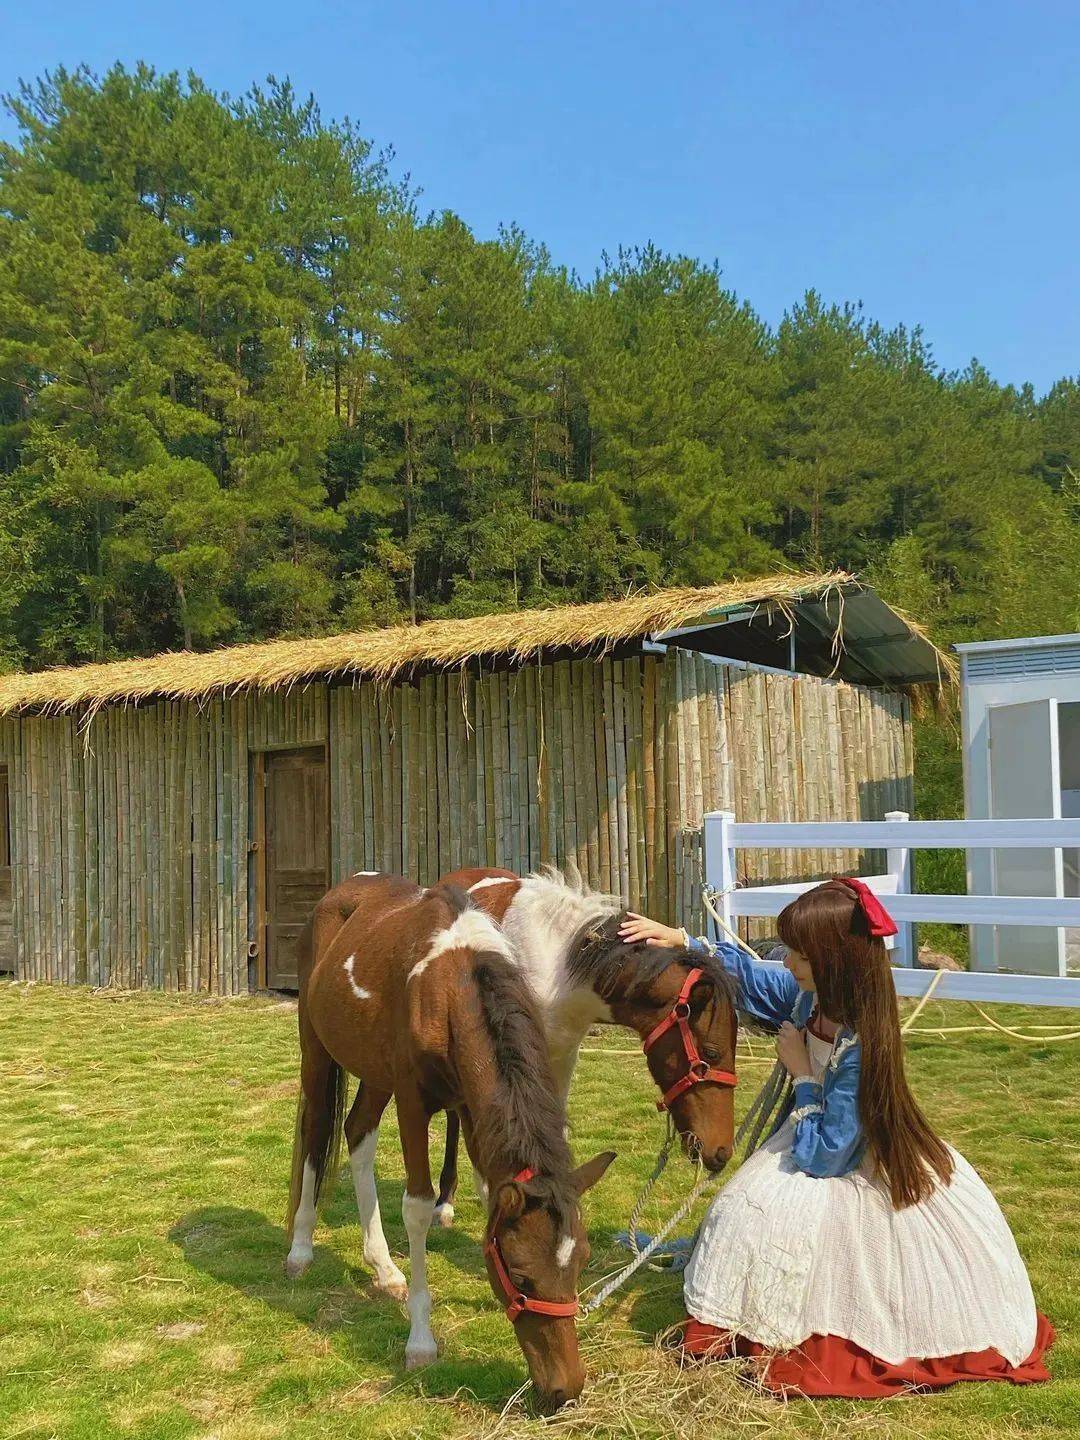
[922, 158]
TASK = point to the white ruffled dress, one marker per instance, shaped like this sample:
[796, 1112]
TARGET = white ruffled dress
[783, 1256]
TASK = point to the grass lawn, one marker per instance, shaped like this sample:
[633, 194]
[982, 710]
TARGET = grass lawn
[144, 1149]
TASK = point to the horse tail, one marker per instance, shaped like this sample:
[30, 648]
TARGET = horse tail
[318, 1135]
[320, 1108]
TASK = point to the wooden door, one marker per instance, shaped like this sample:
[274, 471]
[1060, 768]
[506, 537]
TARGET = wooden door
[297, 854]
[7, 925]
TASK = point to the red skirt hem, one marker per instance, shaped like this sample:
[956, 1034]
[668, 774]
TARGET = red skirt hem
[827, 1365]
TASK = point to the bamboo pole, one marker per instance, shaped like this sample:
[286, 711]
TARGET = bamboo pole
[367, 753]
[635, 765]
[585, 768]
[622, 807]
[384, 802]
[455, 771]
[485, 801]
[562, 719]
[547, 772]
[672, 779]
[652, 775]
[227, 810]
[515, 804]
[419, 790]
[429, 840]
[532, 712]
[396, 780]
[608, 786]
[472, 848]
[594, 779]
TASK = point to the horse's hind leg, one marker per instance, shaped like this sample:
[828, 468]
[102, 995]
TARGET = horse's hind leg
[468, 1130]
[417, 1208]
[362, 1138]
[444, 1206]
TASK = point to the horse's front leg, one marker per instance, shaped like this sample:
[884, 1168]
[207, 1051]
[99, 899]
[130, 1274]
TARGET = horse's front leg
[417, 1208]
[564, 1058]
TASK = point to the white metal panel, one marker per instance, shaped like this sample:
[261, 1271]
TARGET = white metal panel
[983, 987]
[1042, 911]
[1025, 780]
[911, 834]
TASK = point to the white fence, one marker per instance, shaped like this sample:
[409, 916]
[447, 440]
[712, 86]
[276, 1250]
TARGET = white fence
[898, 837]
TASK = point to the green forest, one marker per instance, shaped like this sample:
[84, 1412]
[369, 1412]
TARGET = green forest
[249, 387]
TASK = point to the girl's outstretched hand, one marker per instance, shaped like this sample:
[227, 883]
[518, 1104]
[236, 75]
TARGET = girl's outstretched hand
[791, 1052]
[639, 927]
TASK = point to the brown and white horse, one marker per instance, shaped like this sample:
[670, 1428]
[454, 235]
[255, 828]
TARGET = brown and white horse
[417, 995]
[564, 936]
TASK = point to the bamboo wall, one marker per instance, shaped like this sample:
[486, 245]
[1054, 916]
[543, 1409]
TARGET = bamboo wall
[130, 854]
[130, 842]
[605, 763]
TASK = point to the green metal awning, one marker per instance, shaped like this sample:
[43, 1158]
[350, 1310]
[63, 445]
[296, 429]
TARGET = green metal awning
[848, 632]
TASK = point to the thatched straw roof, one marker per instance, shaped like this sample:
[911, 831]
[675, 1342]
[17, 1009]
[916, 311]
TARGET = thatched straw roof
[384, 654]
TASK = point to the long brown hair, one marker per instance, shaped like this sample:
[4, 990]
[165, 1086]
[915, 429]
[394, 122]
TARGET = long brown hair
[855, 988]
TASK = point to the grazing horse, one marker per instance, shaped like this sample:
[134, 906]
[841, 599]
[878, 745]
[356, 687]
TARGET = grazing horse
[564, 936]
[417, 995]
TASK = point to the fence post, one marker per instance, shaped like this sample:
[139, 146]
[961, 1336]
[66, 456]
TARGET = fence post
[720, 865]
[898, 863]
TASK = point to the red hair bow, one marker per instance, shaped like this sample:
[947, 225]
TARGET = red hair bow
[879, 922]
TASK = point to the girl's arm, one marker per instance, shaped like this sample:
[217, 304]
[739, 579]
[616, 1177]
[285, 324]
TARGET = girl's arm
[766, 993]
[828, 1133]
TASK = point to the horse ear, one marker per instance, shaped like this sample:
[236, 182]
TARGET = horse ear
[586, 1176]
[510, 1200]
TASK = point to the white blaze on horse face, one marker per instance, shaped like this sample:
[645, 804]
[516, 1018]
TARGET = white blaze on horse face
[472, 930]
[416, 1211]
[492, 880]
[357, 990]
[358, 873]
[564, 1252]
[302, 1251]
[376, 1251]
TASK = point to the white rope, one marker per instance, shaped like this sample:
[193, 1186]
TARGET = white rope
[663, 1155]
[701, 1185]
[920, 1007]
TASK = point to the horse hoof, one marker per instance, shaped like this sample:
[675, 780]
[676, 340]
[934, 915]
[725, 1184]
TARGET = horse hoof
[297, 1265]
[396, 1286]
[417, 1356]
[444, 1216]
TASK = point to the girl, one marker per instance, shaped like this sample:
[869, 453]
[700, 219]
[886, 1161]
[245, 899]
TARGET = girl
[855, 1252]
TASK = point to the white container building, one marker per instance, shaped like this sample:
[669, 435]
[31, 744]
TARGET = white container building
[1021, 738]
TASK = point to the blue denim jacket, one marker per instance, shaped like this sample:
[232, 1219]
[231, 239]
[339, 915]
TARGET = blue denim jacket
[829, 1137]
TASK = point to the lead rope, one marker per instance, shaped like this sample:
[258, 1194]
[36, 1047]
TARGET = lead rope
[761, 1111]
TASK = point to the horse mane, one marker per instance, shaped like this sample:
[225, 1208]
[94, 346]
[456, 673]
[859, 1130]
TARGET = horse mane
[598, 958]
[563, 902]
[526, 1121]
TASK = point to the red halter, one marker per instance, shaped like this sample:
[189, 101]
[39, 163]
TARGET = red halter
[516, 1303]
[698, 1071]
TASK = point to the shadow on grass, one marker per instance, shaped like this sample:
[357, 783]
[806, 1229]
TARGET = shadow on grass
[243, 1249]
